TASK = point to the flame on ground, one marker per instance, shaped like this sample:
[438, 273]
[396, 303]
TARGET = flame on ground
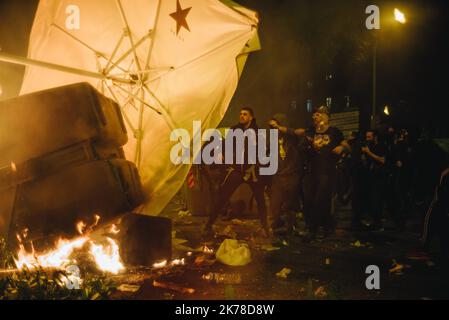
[107, 257]
[57, 258]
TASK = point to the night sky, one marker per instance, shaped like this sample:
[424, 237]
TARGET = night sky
[303, 42]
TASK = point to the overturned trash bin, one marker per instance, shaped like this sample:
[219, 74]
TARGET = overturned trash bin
[61, 161]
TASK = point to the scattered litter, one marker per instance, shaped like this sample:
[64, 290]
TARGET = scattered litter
[128, 288]
[168, 296]
[320, 293]
[172, 286]
[398, 268]
[284, 273]
[233, 253]
[269, 247]
[237, 222]
[327, 261]
[225, 278]
[182, 213]
[228, 232]
[359, 244]
[202, 261]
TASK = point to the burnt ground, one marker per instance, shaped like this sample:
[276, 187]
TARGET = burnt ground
[336, 264]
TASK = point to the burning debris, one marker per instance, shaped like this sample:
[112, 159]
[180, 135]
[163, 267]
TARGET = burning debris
[106, 256]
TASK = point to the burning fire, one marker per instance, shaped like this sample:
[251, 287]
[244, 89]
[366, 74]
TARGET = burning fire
[80, 227]
[207, 250]
[106, 257]
[58, 258]
[164, 263]
[159, 265]
[114, 229]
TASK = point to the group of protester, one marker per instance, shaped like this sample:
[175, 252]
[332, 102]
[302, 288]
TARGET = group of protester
[315, 165]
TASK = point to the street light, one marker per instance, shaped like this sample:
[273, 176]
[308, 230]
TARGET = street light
[399, 16]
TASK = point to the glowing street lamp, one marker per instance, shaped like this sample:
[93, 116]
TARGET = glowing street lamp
[399, 16]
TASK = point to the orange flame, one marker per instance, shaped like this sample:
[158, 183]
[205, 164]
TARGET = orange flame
[114, 229]
[107, 258]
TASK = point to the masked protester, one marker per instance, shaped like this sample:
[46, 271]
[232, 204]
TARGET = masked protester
[241, 173]
[284, 184]
[324, 148]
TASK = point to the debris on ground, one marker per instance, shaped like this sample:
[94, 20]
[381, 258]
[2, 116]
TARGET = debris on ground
[359, 244]
[268, 247]
[398, 268]
[320, 293]
[237, 222]
[228, 232]
[172, 286]
[184, 213]
[225, 278]
[284, 273]
[168, 296]
[233, 253]
[128, 288]
[203, 261]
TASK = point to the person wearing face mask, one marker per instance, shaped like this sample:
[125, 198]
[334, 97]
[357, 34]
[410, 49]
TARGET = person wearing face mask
[326, 144]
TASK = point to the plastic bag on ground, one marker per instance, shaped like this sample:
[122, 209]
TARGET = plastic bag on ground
[233, 253]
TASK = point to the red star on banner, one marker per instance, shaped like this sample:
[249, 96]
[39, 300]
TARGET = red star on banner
[180, 17]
